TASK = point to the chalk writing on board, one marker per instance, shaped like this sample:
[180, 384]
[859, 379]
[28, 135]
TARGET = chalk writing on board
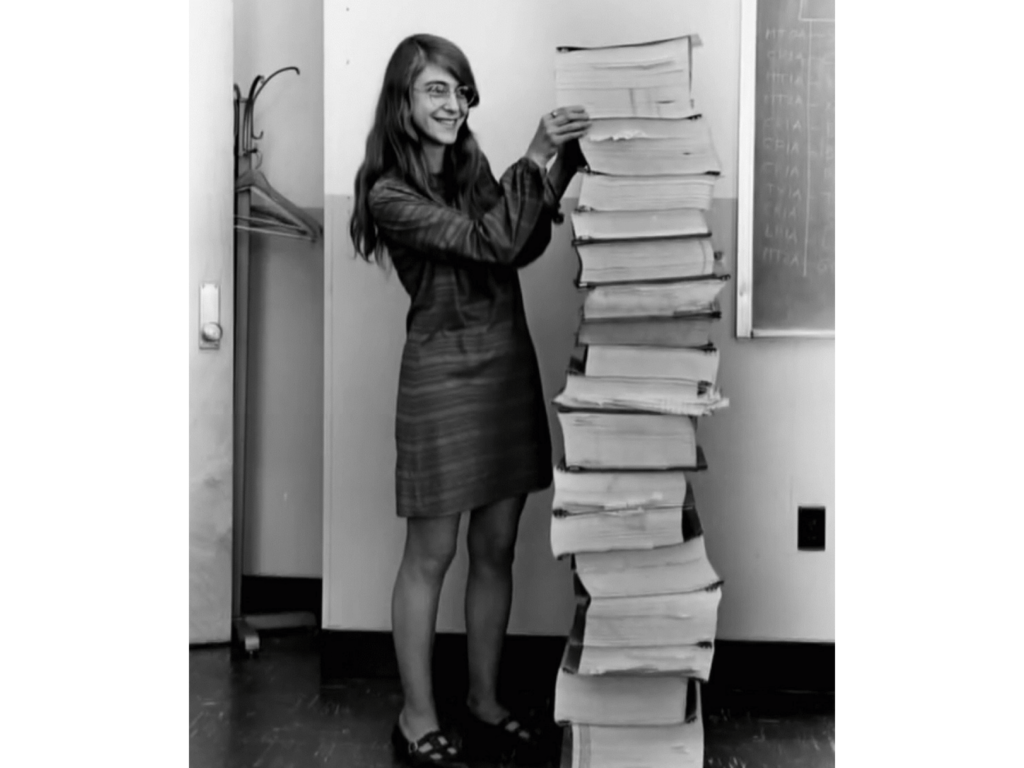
[794, 165]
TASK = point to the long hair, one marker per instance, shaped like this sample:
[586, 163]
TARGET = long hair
[394, 145]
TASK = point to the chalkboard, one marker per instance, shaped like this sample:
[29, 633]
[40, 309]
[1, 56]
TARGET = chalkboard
[786, 247]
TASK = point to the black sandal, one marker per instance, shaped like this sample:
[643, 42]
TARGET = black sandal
[511, 738]
[434, 749]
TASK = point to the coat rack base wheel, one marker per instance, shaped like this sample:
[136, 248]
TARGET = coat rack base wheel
[258, 208]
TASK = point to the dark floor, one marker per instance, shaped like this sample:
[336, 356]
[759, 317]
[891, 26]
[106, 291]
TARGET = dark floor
[270, 711]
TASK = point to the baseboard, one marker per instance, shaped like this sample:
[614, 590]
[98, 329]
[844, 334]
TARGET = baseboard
[774, 667]
[281, 594]
[529, 662]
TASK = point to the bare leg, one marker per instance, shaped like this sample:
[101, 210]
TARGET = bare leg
[492, 541]
[430, 545]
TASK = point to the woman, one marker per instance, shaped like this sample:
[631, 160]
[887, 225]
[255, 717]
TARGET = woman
[471, 427]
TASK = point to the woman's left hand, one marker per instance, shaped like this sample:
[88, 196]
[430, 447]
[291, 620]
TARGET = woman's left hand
[567, 125]
[561, 126]
[569, 151]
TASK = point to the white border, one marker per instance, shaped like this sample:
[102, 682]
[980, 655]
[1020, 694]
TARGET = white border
[756, 333]
[745, 170]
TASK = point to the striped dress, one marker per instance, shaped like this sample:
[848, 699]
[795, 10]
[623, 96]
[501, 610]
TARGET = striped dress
[471, 425]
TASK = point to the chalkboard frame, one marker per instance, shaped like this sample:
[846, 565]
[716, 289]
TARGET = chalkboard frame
[745, 189]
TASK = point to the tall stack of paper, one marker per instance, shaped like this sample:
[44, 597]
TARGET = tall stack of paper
[642, 639]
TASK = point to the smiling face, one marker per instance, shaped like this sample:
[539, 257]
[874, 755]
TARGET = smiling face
[437, 119]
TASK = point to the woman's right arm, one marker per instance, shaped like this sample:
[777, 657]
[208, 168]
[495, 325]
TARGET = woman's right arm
[412, 220]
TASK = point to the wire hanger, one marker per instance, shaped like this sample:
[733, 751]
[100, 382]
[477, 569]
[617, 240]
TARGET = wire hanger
[276, 214]
[254, 180]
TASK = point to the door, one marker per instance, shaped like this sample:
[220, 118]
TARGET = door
[211, 278]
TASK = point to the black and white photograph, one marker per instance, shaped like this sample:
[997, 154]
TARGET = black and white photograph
[517, 366]
[467, 374]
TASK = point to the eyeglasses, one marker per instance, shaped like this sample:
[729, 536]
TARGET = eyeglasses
[439, 93]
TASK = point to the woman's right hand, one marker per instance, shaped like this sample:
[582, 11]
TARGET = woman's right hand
[556, 128]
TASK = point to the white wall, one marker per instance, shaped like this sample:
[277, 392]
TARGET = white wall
[772, 450]
[284, 478]
[210, 371]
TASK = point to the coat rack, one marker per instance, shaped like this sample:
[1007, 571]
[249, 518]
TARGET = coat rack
[258, 208]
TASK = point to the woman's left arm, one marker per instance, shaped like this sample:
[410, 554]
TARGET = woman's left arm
[568, 160]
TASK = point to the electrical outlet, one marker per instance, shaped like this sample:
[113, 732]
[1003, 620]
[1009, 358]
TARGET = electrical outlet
[810, 535]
